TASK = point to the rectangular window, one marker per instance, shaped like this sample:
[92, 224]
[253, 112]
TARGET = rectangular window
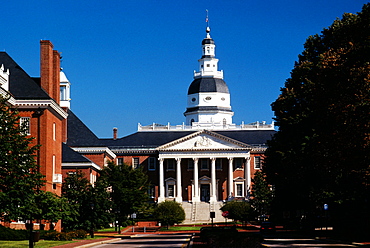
[54, 131]
[190, 164]
[170, 190]
[151, 163]
[25, 124]
[238, 162]
[219, 164]
[63, 93]
[170, 164]
[257, 162]
[239, 189]
[204, 164]
[135, 163]
[119, 161]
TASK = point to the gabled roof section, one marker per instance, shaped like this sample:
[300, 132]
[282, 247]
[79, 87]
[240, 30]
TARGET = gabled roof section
[78, 134]
[21, 85]
[204, 140]
[250, 137]
[145, 139]
[71, 156]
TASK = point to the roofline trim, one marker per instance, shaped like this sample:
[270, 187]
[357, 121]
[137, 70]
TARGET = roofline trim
[82, 164]
[47, 104]
[94, 150]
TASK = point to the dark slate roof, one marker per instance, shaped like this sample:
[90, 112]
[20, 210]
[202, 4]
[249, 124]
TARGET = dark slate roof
[154, 139]
[208, 85]
[78, 134]
[71, 156]
[208, 41]
[146, 139]
[207, 108]
[250, 137]
[21, 85]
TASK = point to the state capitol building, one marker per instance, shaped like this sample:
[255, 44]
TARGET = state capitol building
[201, 163]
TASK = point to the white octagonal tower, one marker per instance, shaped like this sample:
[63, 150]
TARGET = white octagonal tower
[208, 95]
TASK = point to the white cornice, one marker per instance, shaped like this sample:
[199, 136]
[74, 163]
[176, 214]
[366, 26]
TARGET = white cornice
[81, 164]
[94, 150]
[219, 136]
[6, 94]
[44, 104]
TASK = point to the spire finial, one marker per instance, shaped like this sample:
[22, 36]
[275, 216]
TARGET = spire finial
[208, 30]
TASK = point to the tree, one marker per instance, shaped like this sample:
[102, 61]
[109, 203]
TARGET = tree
[321, 152]
[89, 206]
[129, 189]
[169, 213]
[19, 173]
[238, 210]
[262, 194]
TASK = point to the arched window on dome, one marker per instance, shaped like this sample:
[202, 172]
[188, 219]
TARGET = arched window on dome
[191, 122]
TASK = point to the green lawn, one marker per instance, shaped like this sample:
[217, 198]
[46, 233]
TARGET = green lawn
[181, 228]
[40, 244]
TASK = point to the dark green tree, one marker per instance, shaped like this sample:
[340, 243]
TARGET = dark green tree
[238, 210]
[19, 173]
[321, 151]
[88, 205]
[128, 189]
[262, 194]
[169, 213]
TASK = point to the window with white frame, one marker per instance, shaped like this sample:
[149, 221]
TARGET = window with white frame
[54, 131]
[151, 164]
[239, 189]
[257, 162]
[119, 161]
[238, 162]
[25, 124]
[135, 162]
[170, 164]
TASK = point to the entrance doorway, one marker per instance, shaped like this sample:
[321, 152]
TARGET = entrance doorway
[204, 192]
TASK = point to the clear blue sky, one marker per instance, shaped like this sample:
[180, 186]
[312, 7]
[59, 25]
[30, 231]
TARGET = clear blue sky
[132, 61]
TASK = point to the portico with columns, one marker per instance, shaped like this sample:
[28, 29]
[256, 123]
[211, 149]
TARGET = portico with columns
[207, 162]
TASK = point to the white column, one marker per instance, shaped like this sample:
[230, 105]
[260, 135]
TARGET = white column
[161, 197]
[178, 181]
[248, 178]
[230, 179]
[196, 197]
[213, 197]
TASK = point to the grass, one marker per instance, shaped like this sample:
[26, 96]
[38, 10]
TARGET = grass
[40, 244]
[181, 228]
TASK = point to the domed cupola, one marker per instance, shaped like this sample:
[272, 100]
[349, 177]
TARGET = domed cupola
[208, 95]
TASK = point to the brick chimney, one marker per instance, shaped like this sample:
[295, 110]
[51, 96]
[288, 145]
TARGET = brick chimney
[50, 69]
[115, 130]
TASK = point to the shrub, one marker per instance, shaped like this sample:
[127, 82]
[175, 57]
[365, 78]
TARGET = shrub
[12, 234]
[62, 236]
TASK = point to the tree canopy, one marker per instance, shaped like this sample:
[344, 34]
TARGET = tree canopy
[321, 152]
[128, 189]
[19, 172]
[169, 213]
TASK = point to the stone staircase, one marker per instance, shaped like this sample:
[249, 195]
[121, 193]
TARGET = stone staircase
[199, 212]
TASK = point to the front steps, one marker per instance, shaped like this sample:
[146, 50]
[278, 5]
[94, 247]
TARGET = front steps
[199, 212]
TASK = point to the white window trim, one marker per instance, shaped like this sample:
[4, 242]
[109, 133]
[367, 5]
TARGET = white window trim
[173, 183]
[254, 162]
[133, 162]
[24, 119]
[236, 189]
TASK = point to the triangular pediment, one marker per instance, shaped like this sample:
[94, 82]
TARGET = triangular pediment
[204, 140]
